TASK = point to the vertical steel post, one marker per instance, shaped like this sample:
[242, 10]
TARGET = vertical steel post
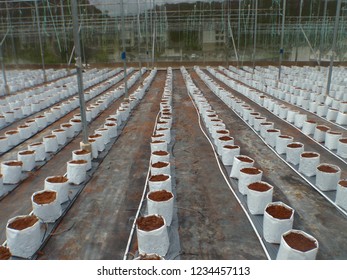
[64, 31]
[333, 48]
[282, 39]
[85, 144]
[40, 41]
[255, 33]
[124, 51]
[322, 31]
[139, 36]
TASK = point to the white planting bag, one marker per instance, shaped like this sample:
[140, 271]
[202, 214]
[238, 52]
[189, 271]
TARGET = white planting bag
[160, 156]
[281, 143]
[273, 228]
[47, 212]
[228, 154]
[160, 168]
[258, 199]
[247, 176]
[332, 139]
[341, 194]
[160, 182]
[240, 162]
[94, 146]
[11, 171]
[293, 152]
[342, 147]
[39, 148]
[286, 252]
[159, 145]
[61, 136]
[155, 241]
[326, 180]
[161, 208]
[60, 185]
[83, 155]
[308, 163]
[51, 143]
[76, 172]
[23, 243]
[28, 159]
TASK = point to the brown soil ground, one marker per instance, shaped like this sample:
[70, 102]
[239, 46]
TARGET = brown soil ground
[294, 145]
[23, 222]
[327, 169]
[160, 153]
[323, 128]
[81, 161]
[231, 147]
[12, 132]
[309, 155]
[279, 212]
[82, 152]
[226, 138]
[26, 153]
[258, 186]
[57, 179]
[160, 195]
[158, 178]
[149, 223]
[299, 242]
[36, 144]
[251, 171]
[343, 183]
[149, 257]
[244, 159]
[4, 253]
[45, 197]
[160, 164]
[14, 163]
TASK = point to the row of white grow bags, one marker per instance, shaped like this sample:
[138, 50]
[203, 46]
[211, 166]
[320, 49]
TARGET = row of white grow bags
[153, 228]
[20, 79]
[332, 108]
[32, 126]
[63, 190]
[26, 105]
[307, 164]
[275, 227]
[334, 141]
[52, 144]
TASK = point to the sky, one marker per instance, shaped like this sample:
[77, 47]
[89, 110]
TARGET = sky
[112, 7]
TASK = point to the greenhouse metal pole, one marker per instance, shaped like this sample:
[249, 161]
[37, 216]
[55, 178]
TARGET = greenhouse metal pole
[64, 30]
[333, 48]
[239, 27]
[85, 145]
[40, 41]
[255, 33]
[322, 30]
[124, 56]
[282, 39]
[139, 36]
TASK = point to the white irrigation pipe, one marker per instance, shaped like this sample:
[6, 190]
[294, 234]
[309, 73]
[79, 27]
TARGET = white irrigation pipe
[323, 146]
[141, 201]
[227, 181]
[303, 177]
